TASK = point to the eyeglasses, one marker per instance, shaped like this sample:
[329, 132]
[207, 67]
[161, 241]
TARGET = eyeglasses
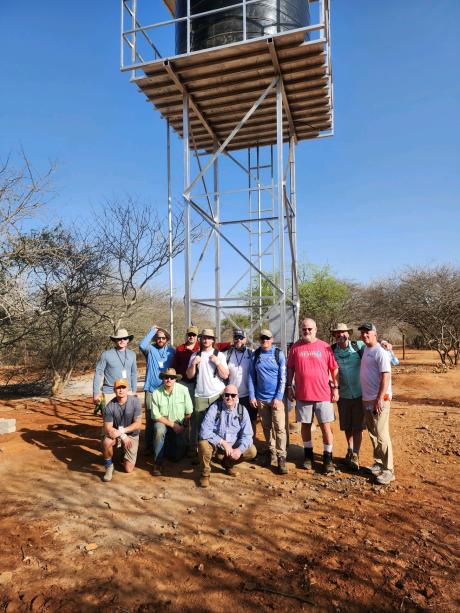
[230, 395]
[307, 329]
[168, 378]
[264, 338]
[161, 338]
[121, 387]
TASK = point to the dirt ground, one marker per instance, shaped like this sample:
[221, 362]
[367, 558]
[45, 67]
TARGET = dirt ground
[70, 542]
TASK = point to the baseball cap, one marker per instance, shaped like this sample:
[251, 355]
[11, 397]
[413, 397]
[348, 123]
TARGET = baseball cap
[238, 333]
[266, 333]
[120, 383]
[368, 327]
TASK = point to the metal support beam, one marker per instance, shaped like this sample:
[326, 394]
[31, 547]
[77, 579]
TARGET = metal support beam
[280, 206]
[187, 224]
[170, 235]
[276, 66]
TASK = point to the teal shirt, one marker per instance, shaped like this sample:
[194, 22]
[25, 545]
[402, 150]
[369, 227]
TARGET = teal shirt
[349, 363]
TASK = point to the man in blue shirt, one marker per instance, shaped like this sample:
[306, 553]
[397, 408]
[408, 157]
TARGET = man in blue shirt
[159, 357]
[116, 363]
[267, 380]
[351, 412]
[226, 432]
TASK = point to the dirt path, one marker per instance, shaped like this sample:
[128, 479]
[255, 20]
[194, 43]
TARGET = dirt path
[305, 541]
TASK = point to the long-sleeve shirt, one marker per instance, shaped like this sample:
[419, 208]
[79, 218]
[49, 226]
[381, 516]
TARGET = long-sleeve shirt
[114, 364]
[174, 406]
[158, 360]
[224, 424]
[267, 378]
[182, 358]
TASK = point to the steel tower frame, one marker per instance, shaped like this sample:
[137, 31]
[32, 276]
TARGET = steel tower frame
[208, 137]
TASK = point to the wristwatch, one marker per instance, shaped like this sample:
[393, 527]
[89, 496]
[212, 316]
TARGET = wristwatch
[332, 386]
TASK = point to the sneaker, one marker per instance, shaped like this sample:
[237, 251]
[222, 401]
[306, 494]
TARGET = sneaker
[108, 473]
[308, 458]
[385, 477]
[349, 456]
[354, 461]
[156, 471]
[375, 469]
[204, 481]
[282, 468]
[328, 466]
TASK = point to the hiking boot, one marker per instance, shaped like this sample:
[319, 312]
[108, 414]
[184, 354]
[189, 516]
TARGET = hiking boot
[375, 469]
[282, 468]
[354, 462]
[385, 477]
[156, 471]
[108, 473]
[229, 467]
[270, 458]
[328, 466]
[204, 481]
[308, 458]
[348, 456]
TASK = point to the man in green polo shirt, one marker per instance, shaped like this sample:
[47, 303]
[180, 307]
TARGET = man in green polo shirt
[171, 407]
[351, 412]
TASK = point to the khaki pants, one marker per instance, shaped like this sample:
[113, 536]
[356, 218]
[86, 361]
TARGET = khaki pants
[379, 432]
[207, 450]
[274, 427]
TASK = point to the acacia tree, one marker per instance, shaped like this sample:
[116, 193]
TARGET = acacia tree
[135, 239]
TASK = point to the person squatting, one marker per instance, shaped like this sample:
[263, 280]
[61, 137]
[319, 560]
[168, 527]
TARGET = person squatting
[203, 399]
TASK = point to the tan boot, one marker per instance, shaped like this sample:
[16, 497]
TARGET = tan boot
[204, 481]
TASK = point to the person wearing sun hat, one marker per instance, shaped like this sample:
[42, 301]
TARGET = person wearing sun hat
[348, 356]
[116, 363]
[171, 408]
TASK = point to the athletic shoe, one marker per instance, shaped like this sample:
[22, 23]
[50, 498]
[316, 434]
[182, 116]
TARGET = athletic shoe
[385, 477]
[156, 471]
[375, 469]
[348, 456]
[328, 466]
[308, 458]
[282, 468]
[354, 462]
[108, 473]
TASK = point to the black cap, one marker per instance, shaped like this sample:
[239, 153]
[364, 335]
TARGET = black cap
[238, 333]
[367, 326]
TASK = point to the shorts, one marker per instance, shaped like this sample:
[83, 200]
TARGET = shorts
[323, 410]
[351, 414]
[130, 455]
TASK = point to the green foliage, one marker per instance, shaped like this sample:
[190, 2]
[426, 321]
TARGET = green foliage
[323, 297]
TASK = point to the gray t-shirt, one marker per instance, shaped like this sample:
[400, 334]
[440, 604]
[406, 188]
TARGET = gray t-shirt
[375, 361]
[123, 415]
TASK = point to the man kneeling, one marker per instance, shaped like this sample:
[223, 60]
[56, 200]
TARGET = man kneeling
[226, 432]
[122, 422]
[171, 409]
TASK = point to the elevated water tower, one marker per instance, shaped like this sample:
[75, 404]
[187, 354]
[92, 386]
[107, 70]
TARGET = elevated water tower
[246, 81]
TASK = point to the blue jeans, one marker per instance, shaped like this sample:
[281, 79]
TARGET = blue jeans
[167, 443]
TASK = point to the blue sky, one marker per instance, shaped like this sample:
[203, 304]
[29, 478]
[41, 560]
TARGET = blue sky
[382, 194]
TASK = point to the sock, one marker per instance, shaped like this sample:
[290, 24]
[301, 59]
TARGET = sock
[327, 448]
[350, 446]
[308, 444]
[108, 463]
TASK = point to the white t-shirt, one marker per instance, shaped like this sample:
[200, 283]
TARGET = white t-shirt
[207, 384]
[239, 364]
[375, 361]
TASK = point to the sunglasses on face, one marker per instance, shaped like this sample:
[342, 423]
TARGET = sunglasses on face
[264, 338]
[238, 338]
[191, 334]
[168, 378]
[124, 338]
[230, 395]
[307, 329]
[161, 338]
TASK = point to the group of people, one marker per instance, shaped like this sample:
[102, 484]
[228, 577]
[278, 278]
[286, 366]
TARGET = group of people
[205, 398]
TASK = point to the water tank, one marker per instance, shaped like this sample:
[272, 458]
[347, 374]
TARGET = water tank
[264, 18]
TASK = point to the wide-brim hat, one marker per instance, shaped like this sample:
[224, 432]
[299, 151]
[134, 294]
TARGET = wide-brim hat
[342, 328]
[170, 372]
[208, 332]
[121, 333]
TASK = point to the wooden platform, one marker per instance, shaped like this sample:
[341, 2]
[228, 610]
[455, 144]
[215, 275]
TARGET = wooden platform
[225, 82]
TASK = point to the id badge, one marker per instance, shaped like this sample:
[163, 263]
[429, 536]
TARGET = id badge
[123, 373]
[160, 364]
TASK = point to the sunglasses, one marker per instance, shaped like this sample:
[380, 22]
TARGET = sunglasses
[168, 378]
[121, 387]
[123, 338]
[264, 338]
[161, 338]
[191, 334]
[307, 329]
[238, 338]
[230, 395]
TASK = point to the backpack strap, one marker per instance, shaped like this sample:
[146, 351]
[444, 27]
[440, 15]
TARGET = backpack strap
[357, 348]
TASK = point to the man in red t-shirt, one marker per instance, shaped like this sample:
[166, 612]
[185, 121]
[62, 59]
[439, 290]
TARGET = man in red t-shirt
[312, 366]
